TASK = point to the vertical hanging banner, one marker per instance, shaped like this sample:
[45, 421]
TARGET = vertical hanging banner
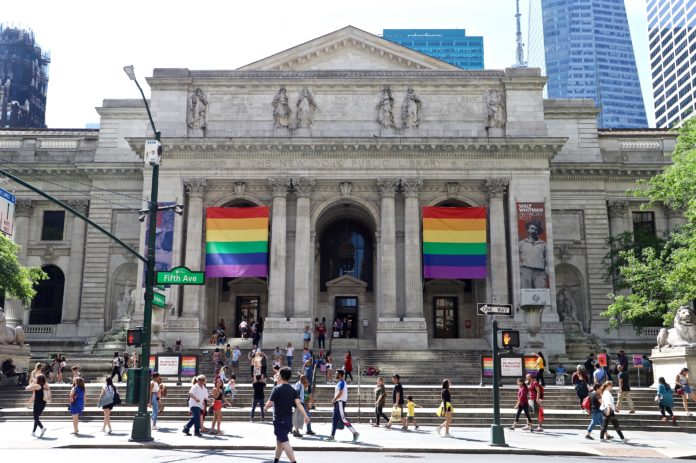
[7, 212]
[454, 242]
[532, 248]
[164, 239]
[236, 242]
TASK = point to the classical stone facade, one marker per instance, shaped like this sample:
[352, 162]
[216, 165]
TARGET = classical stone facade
[304, 133]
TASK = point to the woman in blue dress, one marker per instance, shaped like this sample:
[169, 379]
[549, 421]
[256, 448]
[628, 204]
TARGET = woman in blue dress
[77, 401]
[665, 400]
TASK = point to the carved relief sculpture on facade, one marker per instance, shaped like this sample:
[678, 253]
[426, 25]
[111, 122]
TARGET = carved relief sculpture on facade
[281, 109]
[305, 109]
[385, 108]
[410, 110]
[495, 106]
[198, 110]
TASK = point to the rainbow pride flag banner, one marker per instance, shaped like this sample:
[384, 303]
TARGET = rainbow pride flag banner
[236, 242]
[454, 242]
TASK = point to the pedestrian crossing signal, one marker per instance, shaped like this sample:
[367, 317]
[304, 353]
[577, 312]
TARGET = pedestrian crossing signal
[510, 339]
[134, 338]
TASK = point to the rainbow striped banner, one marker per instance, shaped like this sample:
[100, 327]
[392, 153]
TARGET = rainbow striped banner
[236, 242]
[454, 242]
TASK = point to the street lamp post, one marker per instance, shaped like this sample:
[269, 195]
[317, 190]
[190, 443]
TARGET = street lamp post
[141, 422]
[497, 432]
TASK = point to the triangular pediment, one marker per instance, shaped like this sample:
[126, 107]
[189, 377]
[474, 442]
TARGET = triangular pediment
[345, 281]
[349, 48]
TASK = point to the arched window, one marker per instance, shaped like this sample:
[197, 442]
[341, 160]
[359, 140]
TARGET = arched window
[47, 306]
[346, 249]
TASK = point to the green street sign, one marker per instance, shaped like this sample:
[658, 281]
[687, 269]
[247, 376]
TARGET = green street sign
[180, 276]
[159, 300]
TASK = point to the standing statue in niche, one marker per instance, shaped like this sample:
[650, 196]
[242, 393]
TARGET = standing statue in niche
[385, 115]
[495, 105]
[281, 109]
[305, 109]
[125, 301]
[198, 110]
[410, 109]
[566, 306]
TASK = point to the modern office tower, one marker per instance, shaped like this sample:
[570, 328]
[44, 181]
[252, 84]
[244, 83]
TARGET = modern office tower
[23, 79]
[672, 37]
[452, 46]
[585, 49]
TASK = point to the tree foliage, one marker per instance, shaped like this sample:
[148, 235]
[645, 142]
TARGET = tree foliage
[17, 281]
[661, 276]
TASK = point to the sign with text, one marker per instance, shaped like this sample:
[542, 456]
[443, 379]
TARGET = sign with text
[168, 365]
[494, 309]
[180, 276]
[511, 367]
[532, 251]
[159, 299]
[7, 212]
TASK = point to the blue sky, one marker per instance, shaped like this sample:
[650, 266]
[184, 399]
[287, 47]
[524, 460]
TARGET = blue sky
[90, 41]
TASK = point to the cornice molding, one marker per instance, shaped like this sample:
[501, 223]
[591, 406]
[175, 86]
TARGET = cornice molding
[604, 172]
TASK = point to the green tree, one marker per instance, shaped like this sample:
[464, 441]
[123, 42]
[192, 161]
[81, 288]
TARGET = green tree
[661, 276]
[17, 281]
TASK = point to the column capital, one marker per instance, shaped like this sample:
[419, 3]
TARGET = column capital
[303, 186]
[279, 186]
[617, 208]
[24, 207]
[80, 205]
[496, 187]
[195, 187]
[387, 187]
[411, 186]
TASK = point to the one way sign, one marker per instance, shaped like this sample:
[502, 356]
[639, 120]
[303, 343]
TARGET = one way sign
[494, 309]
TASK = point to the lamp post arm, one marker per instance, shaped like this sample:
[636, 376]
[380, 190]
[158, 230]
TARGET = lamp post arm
[147, 108]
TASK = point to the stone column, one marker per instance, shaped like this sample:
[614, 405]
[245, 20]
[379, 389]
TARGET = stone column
[71, 310]
[496, 189]
[387, 269]
[303, 251]
[14, 310]
[192, 309]
[412, 248]
[675, 218]
[618, 215]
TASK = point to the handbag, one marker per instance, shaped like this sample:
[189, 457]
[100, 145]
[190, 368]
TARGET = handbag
[678, 389]
[396, 413]
[117, 398]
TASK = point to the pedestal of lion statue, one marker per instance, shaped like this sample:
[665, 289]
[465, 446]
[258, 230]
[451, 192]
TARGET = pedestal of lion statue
[668, 362]
[20, 355]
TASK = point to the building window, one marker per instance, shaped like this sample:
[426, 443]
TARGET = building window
[53, 224]
[643, 225]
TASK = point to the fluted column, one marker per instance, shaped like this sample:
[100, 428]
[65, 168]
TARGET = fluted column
[618, 215]
[71, 310]
[412, 257]
[496, 189]
[24, 208]
[303, 251]
[195, 190]
[387, 269]
[276, 298]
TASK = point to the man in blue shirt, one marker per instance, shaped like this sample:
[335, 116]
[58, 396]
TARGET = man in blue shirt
[282, 399]
[339, 404]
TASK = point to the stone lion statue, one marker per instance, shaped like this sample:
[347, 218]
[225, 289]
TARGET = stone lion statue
[9, 335]
[684, 331]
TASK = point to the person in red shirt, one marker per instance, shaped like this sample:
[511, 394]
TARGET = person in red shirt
[522, 405]
[321, 335]
[535, 393]
[348, 365]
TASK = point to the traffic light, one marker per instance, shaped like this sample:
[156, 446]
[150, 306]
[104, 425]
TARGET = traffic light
[134, 337]
[510, 339]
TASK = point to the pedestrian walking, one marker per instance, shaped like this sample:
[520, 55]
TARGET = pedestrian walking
[289, 351]
[411, 411]
[198, 395]
[77, 402]
[665, 400]
[622, 360]
[683, 388]
[41, 394]
[540, 365]
[236, 354]
[339, 420]
[258, 385]
[32, 379]
[581, 382]
[446, 410]
[298, 417]
[522, 405]
[398, 404]
[154, 397]
[306, 337]
[590, 366]
[595, 403]
[536, 394]
[321, 335]
[329, 367]
[116, 367]
[624, 389]
[348, 365]
[380, 399]
[283, 398]
[609, 412]
[599, 375]
[106, 403]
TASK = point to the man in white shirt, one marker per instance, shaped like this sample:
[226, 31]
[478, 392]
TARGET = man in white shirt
[198, 394]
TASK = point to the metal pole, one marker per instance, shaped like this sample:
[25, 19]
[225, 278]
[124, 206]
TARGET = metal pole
[497, 431]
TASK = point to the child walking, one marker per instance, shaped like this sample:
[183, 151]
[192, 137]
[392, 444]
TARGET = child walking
[411, 405]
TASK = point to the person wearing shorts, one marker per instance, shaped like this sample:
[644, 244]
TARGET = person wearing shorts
[282, 399]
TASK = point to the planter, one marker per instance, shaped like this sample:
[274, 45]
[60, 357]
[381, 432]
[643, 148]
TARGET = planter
[532, 322]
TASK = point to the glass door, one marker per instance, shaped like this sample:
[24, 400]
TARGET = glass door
[446, 325]
[247, 309]
[346, 316]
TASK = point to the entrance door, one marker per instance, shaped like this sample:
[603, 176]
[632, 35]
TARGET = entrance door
[247, 309]
[445, 317]
[347, 311]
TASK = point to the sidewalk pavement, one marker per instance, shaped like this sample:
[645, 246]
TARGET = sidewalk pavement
[259, 436]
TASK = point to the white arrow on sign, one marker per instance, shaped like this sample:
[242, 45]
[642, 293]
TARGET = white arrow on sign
[495, 309]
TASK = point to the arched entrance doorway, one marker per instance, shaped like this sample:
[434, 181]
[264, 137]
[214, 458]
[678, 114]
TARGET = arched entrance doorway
[47, 306]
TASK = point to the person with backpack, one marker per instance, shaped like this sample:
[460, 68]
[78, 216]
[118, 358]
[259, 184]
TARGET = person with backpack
[599, 375]
[116, 364]
[106, 403]
[536, 394]
[665, 400]
[580, 382]
[592, 404]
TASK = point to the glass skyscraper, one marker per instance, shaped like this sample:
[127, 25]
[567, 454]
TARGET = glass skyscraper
[585, 49]
[672, 37]
[449, 45]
